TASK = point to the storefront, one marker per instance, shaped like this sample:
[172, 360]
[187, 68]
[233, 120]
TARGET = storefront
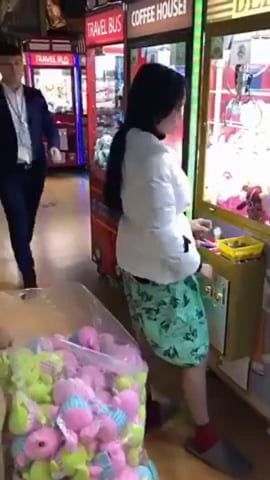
[104, 38]
[234, 188]
[54, 68]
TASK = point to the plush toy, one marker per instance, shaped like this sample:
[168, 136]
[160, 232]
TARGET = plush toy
[76, 421]
[25, 415]
[27, 376]
[93, 377]
[65, 388]
[148, 471]
[133, 436]
[42, 444]
[102, 150]
[38, 471]
[71, 364]
[129, 353]
[5, 371]
[73, 465]
[51, 364]
[109, 463]
[87, 337]
[253, 203]
[115, 418]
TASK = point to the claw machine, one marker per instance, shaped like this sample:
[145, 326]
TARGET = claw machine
[170, 33]
[233, 190]
[54, 68]
[104, 38]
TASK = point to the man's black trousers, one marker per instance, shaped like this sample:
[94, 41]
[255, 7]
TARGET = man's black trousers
[20, 194]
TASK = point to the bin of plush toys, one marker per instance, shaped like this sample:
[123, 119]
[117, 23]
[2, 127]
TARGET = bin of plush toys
[76, 407]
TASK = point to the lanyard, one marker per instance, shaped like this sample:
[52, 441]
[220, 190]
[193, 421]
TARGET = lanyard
[18, 110]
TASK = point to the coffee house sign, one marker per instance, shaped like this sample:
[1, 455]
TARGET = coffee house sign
[148, 17]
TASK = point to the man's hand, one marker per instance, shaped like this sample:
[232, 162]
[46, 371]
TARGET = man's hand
[201, 227]
[56, 155]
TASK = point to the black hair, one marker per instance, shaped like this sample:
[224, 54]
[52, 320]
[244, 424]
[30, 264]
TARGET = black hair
[10, 48]
[156, 90]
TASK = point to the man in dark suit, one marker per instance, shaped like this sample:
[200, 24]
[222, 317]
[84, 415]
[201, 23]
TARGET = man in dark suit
[24, 123]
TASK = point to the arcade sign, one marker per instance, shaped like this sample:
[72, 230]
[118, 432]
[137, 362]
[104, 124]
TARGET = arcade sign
[220, 10]
[105, 28]
[44, 59]
[149, 17]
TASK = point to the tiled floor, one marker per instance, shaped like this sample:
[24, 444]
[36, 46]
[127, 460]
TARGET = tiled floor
[62, 252]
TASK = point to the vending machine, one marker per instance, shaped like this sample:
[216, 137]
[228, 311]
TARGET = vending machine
[55, 69]
[233, 189]
[104, 38]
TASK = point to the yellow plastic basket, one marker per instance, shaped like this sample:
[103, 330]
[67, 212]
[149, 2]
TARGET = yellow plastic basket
[239, 249]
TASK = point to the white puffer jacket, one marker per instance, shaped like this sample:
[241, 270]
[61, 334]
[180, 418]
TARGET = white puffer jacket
[155, 240]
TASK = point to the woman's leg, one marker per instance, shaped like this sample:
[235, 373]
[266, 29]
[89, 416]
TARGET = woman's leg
[195, 393]
[194, 389]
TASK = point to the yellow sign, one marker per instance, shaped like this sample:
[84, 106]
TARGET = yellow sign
[245, 8]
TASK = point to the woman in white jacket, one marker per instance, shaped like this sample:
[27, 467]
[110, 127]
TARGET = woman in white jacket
[156, 249]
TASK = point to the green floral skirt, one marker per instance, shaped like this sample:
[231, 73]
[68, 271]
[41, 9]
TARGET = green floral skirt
[171, 318]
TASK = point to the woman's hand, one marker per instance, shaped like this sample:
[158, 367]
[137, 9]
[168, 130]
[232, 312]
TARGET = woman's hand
[201, 227]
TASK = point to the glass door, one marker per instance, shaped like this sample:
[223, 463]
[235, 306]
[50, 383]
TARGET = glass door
[171, 55]
[109, 84]
[56, 86]
[237, 157]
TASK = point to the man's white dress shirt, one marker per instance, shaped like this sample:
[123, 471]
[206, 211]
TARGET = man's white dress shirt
[17, 107]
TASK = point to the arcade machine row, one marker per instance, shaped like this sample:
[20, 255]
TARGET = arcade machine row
[105, 87]
[234, 190]
[55, 69]
[155, 33]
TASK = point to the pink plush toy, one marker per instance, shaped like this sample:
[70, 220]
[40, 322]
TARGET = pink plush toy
[110, 462]
[42, 444]
[88, 338]
[76, 422]
[70, 387]
[93, 377]
[129, 402]
[71, 364]
[114, 418]
[126, 353]
[129, 474]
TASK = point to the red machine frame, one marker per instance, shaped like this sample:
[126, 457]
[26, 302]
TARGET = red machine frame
[103, 29]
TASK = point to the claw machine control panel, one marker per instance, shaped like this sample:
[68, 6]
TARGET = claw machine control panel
[105, 68]
[55, 70]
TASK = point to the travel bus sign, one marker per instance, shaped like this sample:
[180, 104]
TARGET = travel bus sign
[105, 28]
[52, 59]
[150, 17]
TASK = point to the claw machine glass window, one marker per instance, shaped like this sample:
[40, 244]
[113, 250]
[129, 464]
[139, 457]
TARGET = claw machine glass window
[56, 86]
[237, 159]
[109, 70]
[171, 55]
[84, 91]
